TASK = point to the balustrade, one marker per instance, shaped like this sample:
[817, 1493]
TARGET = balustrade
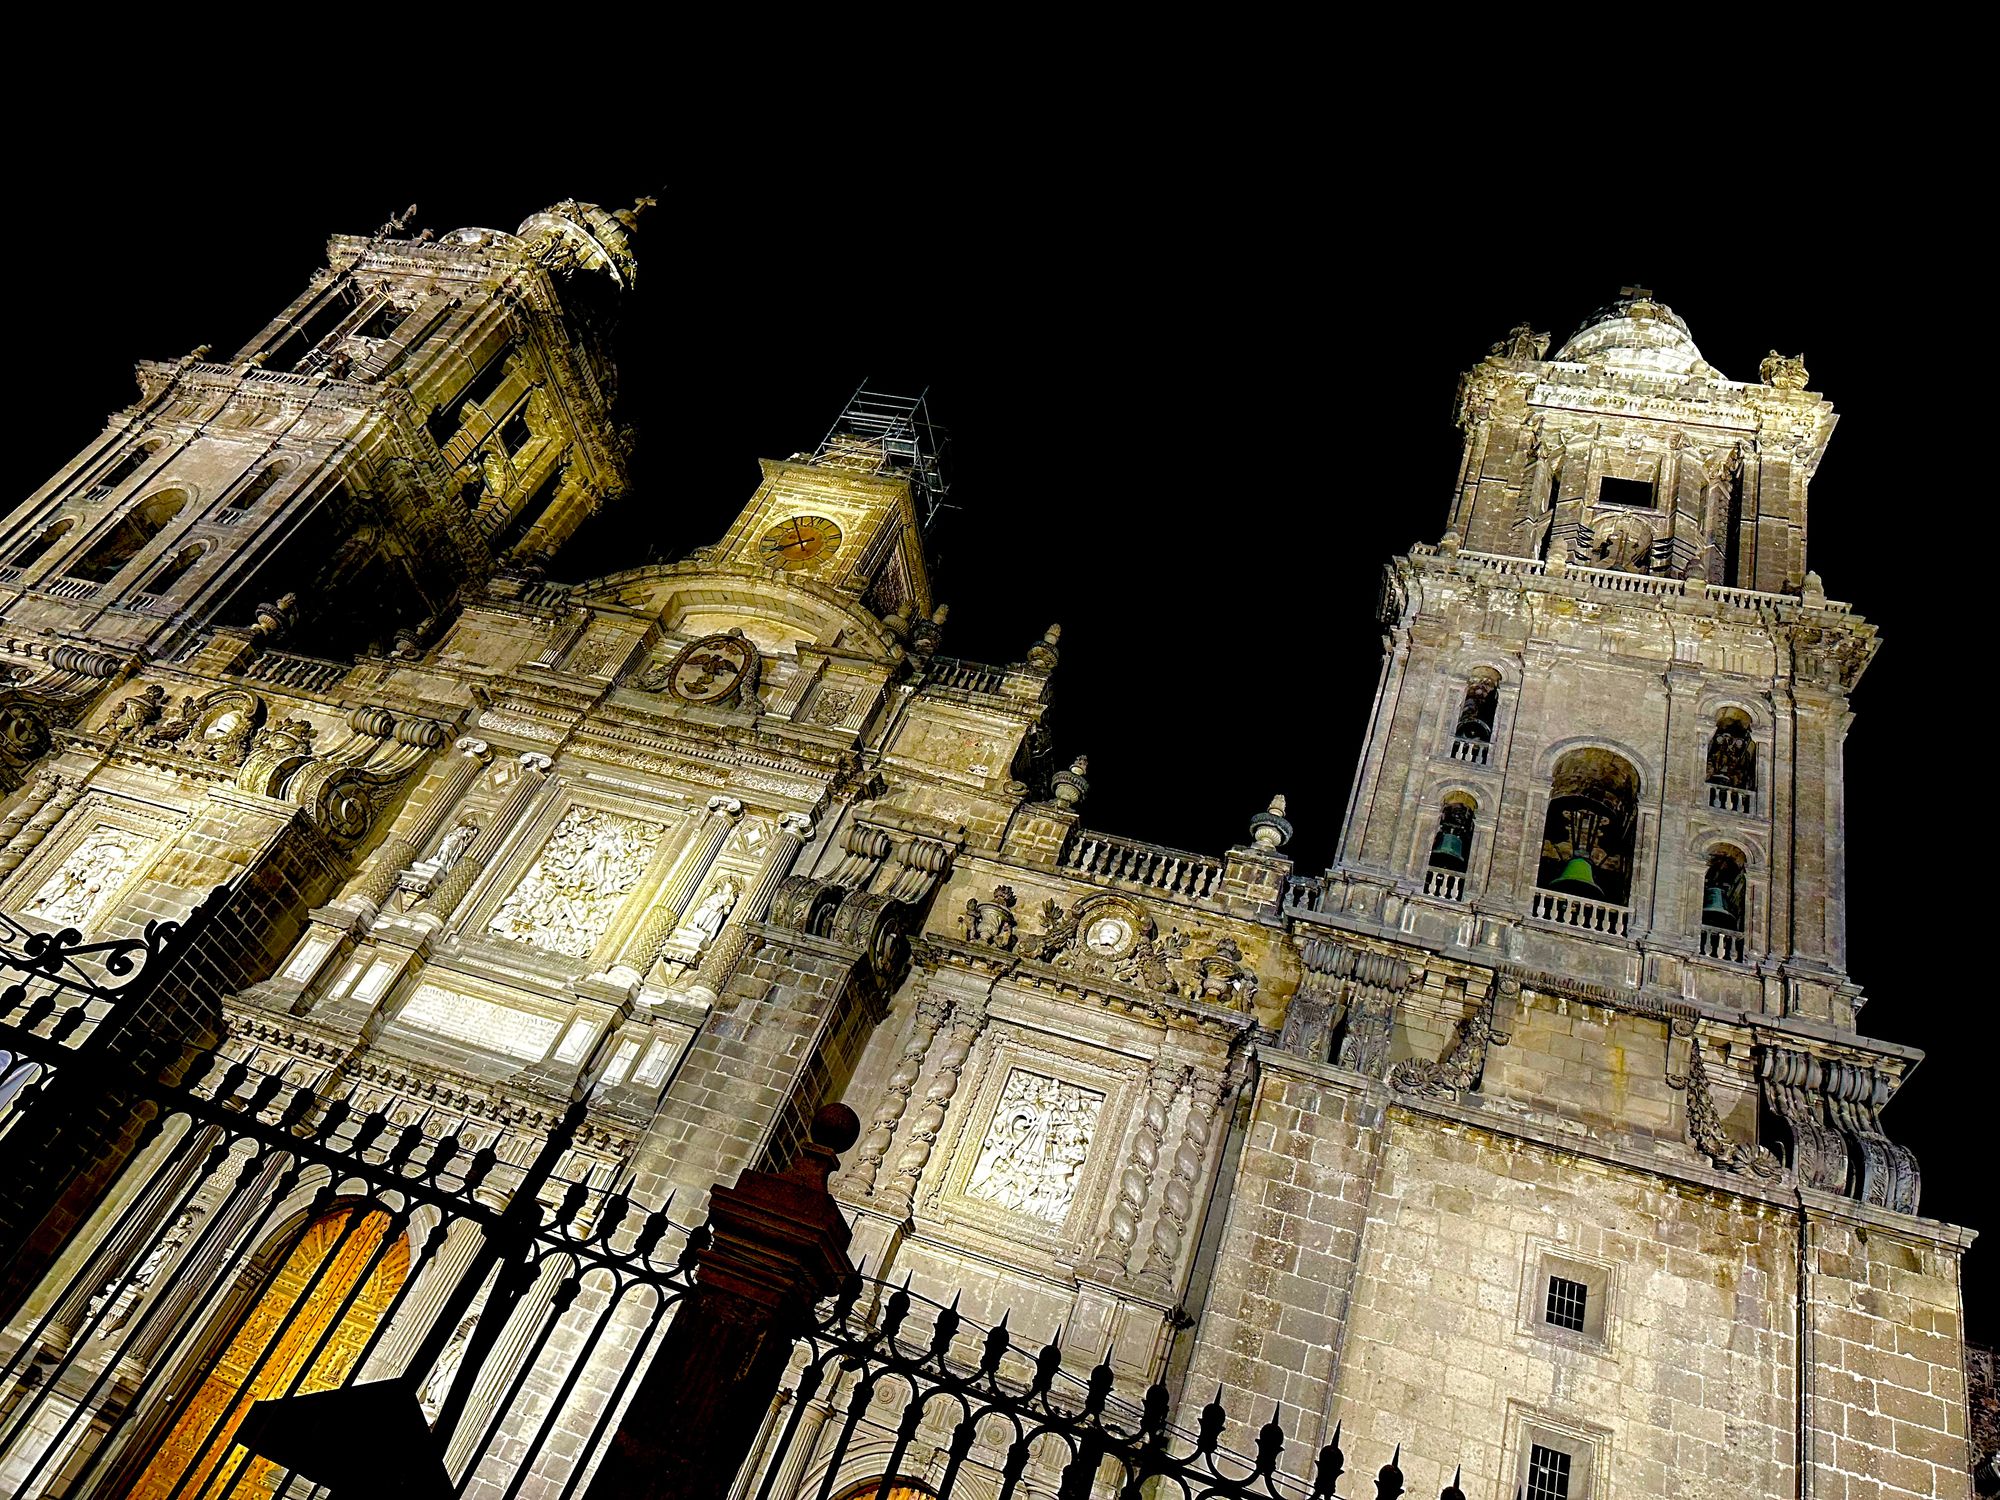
[1471, 752]
[72, 588]
[1305, 893]
[969, 676]
[1720, 942]
[285, 669]
[1127, 861]
[1446, 885]
[9, 574]
[1734, 799]
[1588, 916]
[1634, 583]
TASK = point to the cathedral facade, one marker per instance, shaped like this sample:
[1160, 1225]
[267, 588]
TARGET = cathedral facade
[1535, 1139]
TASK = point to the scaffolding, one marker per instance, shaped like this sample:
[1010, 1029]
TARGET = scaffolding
[877, 432]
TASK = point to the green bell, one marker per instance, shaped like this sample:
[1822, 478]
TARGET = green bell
[1578, 878]
[1448, 853]
[1716, 910]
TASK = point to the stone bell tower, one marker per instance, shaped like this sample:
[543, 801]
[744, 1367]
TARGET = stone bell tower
[1577, 1033]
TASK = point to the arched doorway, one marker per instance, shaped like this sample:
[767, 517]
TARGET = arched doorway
[328, 1259]
[899, 1489]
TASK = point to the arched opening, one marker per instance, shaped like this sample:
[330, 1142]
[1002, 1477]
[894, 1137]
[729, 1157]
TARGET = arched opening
[895, 1488]
[1722, 889]
[259, 487]
[1451, 846]
[292, 1322]
[176, 569]
[1591, 828]
[36, 550]
[1475, 711]
[123, 542]
[124, 469]
[1732, 754]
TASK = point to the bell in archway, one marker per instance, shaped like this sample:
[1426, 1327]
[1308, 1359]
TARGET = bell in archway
[1716, 910]
[1448, 852]
[1578, 878]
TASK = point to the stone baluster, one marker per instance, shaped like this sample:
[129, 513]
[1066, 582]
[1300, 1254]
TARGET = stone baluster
[671, 905]
[1114, 1254]
[451, 890]
[896, 1097]
[967, 1021]
[1177, 1199]
[795, 831]
[399, 849]
[61, 797]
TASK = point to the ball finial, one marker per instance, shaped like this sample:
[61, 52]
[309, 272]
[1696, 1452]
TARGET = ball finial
[836, 1127]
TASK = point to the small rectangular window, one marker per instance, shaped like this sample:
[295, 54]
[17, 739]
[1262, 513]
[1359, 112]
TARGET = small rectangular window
[1548, 1474]
[1567, 1300]
[1611, 491]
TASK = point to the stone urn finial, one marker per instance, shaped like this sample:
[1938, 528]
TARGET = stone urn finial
[1043, 656]
[1070, 785]
[1269, 830]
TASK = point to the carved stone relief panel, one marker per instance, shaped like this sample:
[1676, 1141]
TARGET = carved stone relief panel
[76, 893]
[1036, 1146]
[568, 898]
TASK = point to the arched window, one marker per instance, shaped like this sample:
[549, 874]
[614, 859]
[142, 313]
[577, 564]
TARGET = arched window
[123, 542]
[1452, 844]
[123, 470]
[1472, 739]
[1732, 762]
[36, 550]
[259, 487]
[1591, 828]
[894, 1488]
[1722, 904]
[176, 569]
[1451, 847]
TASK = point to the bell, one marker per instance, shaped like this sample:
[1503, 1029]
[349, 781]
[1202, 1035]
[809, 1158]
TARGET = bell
[1716, 910]
[1448, 853]
[1578, 878]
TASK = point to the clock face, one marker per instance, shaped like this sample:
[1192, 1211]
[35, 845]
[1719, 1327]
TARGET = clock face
[793, 543]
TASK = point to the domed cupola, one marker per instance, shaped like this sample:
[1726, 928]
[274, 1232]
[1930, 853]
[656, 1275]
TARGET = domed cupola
[1638, 334]
[570, 237]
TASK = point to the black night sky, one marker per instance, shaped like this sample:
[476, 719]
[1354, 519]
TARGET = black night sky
[1194, 406]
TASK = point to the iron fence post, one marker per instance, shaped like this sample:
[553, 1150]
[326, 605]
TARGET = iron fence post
[779, 1246]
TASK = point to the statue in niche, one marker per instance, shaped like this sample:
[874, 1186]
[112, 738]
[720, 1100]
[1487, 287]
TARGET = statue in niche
[438, 1386]
[124, 1298]
[143, 708]
[452, 850]
[705, 921]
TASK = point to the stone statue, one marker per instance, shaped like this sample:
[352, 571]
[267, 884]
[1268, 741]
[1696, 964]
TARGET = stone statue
[438, 1385]
[140, 710]
[1522, 342]
[990, 922]
[174, 725]
[1786, 372]
[452, 850]
[706, 920]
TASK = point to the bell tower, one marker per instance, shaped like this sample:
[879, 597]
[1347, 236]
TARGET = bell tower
[1628, 450]
[1608, 736]
[425, 410]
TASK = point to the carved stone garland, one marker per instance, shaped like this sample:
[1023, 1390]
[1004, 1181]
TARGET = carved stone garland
[931, 1012]
[967, 1021]
[1114, 1253]
[1177, 1199]
[1459, 1069]
[1705, 1127]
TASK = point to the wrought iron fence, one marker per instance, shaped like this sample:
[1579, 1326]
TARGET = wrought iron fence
[277, 1239]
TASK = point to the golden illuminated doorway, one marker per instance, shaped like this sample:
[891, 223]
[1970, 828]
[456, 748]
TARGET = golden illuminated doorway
[899, 1489]
[329, 1258]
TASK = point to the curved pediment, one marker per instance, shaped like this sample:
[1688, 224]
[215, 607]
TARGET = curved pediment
[775, 613]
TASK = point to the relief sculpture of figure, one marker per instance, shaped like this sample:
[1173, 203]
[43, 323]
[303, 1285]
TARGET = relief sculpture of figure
[706, 920]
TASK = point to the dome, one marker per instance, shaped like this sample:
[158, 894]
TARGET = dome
[1636, 333]
[572, 236]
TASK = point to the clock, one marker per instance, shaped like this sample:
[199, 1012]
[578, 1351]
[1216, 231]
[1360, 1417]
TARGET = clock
[793, 543]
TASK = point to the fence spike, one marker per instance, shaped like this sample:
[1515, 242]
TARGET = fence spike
[1153, 1417]
[1452, 1491]
[1332, 1464]
[1212, 1419]
[1389, 1483]
[1270, 1441]
[997, 1345]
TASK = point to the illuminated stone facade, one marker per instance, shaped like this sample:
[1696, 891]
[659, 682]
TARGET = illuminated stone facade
[1539, 1122]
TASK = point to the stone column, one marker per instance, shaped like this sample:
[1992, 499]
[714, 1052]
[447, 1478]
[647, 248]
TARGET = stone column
[25, 807]
[795, 831]
[1114, 1252]
[60, 797]
[1177, 1198]
[780, 1245]
[643, 947]
[443, 901]
[967, 1021]
[378, 880]
[902, 1083]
